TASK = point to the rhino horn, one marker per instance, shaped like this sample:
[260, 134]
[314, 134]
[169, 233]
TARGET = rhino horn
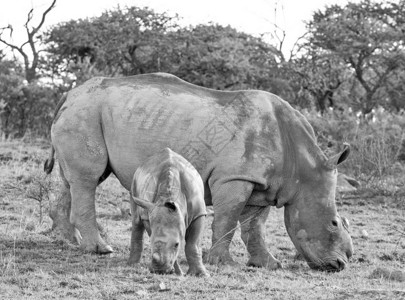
[338, 158]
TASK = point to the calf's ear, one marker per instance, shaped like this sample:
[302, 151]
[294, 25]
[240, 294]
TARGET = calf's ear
[143, 203]
[337, 159]
[171, 206]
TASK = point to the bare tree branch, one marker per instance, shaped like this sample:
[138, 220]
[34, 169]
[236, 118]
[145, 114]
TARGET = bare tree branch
[30, 68]
[35, 30]
[296, 45]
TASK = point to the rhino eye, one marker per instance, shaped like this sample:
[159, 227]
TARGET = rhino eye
[334, 223]
[176, 245]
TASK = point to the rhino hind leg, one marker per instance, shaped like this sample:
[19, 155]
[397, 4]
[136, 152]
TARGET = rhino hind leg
[228, 199]
[252, 222]
[60, 213]
[83, 216]
[84, 161]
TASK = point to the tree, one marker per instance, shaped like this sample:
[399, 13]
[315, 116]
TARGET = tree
[369, 38]
[17, 112]
[11, 81]
[209, 55]
[31, 57]
[319, 76]
[220, 57]
[23, 100]
[119, 42]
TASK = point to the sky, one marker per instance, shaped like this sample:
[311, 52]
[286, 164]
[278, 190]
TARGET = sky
[252, 16]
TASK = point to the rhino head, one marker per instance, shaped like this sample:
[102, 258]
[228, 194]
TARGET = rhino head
[167, 231]
[320, 235]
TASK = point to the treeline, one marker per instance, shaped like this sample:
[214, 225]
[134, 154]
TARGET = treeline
[351, 59]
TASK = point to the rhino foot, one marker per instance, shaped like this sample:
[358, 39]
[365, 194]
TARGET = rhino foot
[104, 249]
[99, 248]
[133, 263]
[199, 272]
[134, 259]
[268, 262]
[216, 257]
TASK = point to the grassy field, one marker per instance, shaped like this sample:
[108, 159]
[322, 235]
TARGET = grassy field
[35, 265]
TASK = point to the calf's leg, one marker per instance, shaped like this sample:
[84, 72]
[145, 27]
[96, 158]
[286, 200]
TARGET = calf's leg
[193, 250]
[138, 230]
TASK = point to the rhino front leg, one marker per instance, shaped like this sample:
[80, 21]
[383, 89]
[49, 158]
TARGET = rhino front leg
[229, 199]
[252, 222]
[193, 250]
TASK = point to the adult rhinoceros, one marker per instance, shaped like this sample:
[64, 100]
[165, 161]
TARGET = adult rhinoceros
[252, 149]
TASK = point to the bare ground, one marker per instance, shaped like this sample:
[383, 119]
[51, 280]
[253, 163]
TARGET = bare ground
[36, 265]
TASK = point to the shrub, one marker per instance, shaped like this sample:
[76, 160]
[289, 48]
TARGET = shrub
[375, 139]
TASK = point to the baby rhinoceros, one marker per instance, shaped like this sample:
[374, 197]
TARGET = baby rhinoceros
[167, 199]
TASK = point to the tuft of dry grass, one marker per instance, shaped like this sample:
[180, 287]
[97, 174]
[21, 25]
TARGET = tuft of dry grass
[33, 265]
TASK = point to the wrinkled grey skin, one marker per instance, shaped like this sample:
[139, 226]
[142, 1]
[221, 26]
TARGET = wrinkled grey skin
[167, 200]
[251, 148]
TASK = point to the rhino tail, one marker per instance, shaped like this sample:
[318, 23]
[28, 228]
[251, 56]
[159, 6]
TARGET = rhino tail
[48, 165]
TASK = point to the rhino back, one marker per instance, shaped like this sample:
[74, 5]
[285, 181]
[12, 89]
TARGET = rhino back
[142, 114]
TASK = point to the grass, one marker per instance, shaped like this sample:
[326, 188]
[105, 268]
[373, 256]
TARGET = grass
[34, 265]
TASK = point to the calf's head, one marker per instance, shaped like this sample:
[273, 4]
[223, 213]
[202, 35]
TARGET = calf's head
[312, 221]
[167, 230]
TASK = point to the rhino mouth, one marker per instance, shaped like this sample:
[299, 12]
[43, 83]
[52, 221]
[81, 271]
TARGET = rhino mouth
[334, 262]
[162, 271]
[334, 265]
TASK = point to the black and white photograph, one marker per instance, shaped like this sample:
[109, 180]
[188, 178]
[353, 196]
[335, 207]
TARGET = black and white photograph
[214, 149]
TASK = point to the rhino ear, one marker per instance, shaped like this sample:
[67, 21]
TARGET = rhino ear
[337, 159]
[142, 203]
[171, 206]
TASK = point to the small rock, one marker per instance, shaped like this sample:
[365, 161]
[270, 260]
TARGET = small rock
[142, 293]
[160, 287]
[163, 287]
[387, 274]
[364, 234]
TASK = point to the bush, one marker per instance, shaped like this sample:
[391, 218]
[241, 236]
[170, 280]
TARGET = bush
[375, 139]
[24, 108]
